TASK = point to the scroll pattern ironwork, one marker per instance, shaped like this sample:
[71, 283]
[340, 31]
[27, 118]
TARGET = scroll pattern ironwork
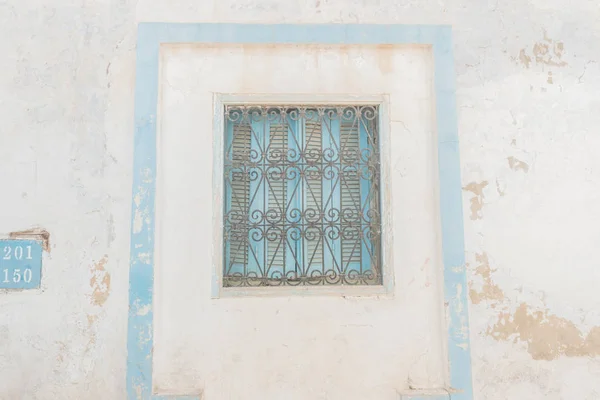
[302, 202]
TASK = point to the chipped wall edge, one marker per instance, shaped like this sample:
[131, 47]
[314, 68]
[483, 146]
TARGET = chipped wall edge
[38, 234]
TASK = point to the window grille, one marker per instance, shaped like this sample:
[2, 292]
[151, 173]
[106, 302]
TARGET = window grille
[302, 201]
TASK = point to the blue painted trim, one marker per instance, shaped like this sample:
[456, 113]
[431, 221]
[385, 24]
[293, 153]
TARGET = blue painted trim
[151, 35]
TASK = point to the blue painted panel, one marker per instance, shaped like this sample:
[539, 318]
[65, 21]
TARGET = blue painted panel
[20, 264]
[141, 271]
[455, 279]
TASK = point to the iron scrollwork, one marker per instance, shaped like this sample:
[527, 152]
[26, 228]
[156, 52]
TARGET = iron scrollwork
[302, 203]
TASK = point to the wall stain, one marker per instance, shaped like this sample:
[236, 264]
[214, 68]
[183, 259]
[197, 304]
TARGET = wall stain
[425, 265]
[91, 319]
[489, 290]
[545, 52]
[549, 53]
[517, 165]
[547, 336]
[384, 58]
[477, 200]
[524, 58]
[100, 282]
[62, 349]
[111, 230]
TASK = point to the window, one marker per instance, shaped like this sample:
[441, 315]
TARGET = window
[302, 195]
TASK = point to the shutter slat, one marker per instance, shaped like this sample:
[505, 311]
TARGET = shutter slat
[277, 192]
[240, 188]
[350, 191]
[314, 187]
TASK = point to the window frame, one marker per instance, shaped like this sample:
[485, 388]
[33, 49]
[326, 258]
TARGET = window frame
[220, 100]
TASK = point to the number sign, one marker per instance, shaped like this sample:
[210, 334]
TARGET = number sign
[20, 264]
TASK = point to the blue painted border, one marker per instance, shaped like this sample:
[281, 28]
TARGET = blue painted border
[151, 35]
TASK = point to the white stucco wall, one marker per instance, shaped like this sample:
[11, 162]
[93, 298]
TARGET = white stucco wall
[528, 84]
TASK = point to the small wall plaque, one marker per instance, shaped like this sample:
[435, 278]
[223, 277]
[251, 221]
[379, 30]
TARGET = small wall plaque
[20, 264]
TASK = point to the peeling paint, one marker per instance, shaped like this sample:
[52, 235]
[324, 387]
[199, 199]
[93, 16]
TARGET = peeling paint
[138, 221]
[517, 165]
[462, 329]
[459, 304]
[140, 195]
[524, 58]
[490, 292]
[100, 282]
[139, 389]
[477, 200]
[92, 319]
[144, 258]
[144, 310]
[547, 336]
[549, 53]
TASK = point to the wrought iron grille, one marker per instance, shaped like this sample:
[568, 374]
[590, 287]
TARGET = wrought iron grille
[301, 196]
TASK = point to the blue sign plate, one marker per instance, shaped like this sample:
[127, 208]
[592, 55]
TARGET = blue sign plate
[20, 264]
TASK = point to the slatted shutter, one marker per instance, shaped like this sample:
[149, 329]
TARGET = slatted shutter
[350, 193]
[313, 193]
[277, 192]
[240, 191]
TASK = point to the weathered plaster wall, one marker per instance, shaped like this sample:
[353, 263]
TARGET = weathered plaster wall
[296, 346]
[528, 84]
